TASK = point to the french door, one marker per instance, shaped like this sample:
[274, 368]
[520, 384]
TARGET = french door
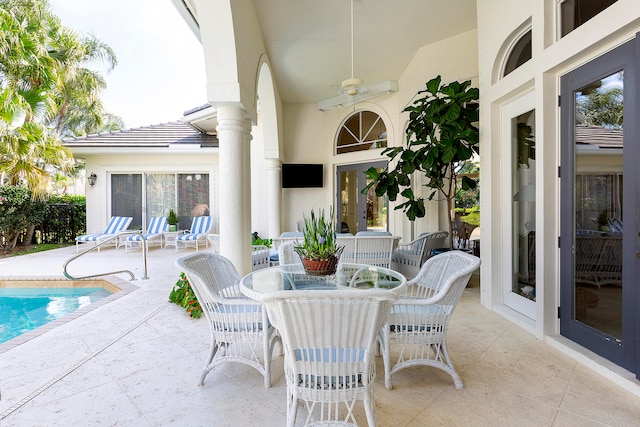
[599, 241]
[357, 211]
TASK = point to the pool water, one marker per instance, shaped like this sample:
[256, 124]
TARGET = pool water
[24, 309]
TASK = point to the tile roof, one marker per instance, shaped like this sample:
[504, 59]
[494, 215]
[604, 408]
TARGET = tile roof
[598, 136]
[161, 135]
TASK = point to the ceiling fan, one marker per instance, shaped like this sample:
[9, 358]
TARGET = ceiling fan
[353, 89]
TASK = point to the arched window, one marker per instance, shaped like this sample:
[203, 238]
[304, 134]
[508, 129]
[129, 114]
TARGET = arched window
[363, 130]
[520, 53]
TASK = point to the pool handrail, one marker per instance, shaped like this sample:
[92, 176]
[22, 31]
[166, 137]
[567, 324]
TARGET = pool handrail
[115, 236]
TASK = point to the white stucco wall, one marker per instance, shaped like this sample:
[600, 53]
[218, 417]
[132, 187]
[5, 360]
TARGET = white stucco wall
[309, 134]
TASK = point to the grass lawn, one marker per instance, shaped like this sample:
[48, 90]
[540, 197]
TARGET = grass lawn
[30, 249]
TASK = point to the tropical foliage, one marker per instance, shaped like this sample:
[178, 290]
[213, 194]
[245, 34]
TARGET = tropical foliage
[46, 92]
[602, 108]
[65, 219]
[18, 211]
[257, 240]
[441, 136]
[183, 295]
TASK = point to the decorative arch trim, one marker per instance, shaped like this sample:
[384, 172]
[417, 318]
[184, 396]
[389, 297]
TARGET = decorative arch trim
[508, 49]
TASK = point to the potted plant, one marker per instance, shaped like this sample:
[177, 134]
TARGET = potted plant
[441, 136]
[172, 220]
[603, 221]
[318, 251]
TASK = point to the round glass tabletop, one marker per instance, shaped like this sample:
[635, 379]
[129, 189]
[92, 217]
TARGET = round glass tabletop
[293, 276]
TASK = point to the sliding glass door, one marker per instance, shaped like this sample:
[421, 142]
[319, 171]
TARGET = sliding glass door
[143, 196]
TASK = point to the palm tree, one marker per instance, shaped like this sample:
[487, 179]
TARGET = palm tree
[77, 108]
[45, 92]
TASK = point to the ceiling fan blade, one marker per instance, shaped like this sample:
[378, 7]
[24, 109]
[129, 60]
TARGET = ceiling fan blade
[369, 92]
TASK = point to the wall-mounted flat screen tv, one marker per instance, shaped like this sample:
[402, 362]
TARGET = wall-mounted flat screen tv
[299, 175]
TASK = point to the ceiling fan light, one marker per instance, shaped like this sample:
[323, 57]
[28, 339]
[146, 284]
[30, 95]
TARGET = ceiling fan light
[351, 86]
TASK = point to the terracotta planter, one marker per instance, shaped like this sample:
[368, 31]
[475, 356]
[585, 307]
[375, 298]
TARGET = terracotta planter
[320, 267]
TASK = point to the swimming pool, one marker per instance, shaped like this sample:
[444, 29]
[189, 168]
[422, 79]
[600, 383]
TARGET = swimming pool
[24, 309]
[32, 306]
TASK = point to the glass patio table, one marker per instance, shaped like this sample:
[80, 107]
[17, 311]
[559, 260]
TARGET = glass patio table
[293, 277]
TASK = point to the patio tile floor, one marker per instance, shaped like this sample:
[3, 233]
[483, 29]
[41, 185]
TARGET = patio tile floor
[136, 361]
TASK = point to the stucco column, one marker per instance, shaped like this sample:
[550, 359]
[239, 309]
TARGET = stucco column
[247, 138]
[235, 178]
[274, 183]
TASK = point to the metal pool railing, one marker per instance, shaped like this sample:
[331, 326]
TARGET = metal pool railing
[115, 236]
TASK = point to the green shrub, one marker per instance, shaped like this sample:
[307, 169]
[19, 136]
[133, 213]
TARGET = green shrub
[183, 295]
[470, 215]
[257, 240]
[18, 211]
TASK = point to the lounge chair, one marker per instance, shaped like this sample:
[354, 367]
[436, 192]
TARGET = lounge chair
[200, 228]
[157, 226]
[116, 225]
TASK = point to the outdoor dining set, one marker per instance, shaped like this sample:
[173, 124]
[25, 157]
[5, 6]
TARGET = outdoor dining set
[381, 297]
[330, 327]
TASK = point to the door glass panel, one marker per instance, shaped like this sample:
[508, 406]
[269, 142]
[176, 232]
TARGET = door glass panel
[348, 201]
[376, 208]
[357, 211]
[126, 198]
[524, 206]
[193, 197]
[598, 205]
[160, 195]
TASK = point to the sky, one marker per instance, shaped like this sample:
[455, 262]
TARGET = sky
[160, 72]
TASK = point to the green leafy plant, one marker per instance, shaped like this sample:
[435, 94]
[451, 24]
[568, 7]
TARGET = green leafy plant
[19, 210]
[603, 221]
[257, 240]
[183, 295]
[172, 218]
[319, 241]
[441, 136]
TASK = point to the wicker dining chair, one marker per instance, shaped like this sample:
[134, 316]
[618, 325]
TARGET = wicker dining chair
[417, 326]
[240, 329]
[287, 253]
[407, 258]
[329, 339]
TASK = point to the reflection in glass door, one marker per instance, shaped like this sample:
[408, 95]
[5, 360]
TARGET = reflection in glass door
[126, 198]
[598, 298]
[160, 195]
[357, 211]
[520, 294]
[598, 205]
[519, 212]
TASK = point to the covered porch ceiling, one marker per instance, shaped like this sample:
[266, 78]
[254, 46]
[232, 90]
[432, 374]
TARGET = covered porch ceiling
[309, 41]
